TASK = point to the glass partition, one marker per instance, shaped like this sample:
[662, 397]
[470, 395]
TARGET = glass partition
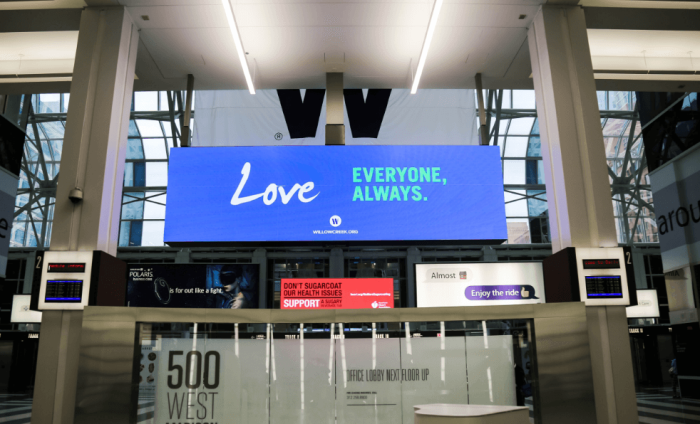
[331, 372]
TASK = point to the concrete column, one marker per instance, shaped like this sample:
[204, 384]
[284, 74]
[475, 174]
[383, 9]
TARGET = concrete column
[94, 147]
[575, 169]
[640, 275]
[94, 150]
[412, 257]
[183, 256]
[336, 265]
[29, 268]
[489, 254]
[260, 258]
[578, 191]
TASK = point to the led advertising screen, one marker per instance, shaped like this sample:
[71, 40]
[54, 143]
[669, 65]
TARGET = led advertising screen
[217, 286]
[348, 194]
[336, 293]
[479, 284]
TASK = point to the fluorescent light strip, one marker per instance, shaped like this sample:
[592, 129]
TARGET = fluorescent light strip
[426, 44]
[239, 45]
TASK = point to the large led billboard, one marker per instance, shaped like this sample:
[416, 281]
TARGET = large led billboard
[346, 194]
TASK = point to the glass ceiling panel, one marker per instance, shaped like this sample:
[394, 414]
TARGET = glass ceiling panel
[149, 128]
[516, 147]
[146, 101]
[156, 174]
[515, 203]
[521, 126]
[154, 148]
[523, 99]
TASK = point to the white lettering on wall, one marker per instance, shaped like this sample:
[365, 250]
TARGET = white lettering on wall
[270, 194]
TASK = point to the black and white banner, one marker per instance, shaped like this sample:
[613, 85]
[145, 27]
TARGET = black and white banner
[298, 117]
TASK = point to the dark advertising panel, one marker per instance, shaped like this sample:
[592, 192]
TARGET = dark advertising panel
[218, 286]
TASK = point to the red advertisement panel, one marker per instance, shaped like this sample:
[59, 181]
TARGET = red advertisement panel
[337, 293]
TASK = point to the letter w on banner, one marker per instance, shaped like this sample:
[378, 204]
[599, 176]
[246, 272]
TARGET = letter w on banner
[287, 117]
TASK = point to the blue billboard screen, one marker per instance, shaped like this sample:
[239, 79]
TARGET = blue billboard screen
[335, 194]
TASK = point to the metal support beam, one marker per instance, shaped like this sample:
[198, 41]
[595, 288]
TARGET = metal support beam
[335, 111]
[483, 128]
[185, 139]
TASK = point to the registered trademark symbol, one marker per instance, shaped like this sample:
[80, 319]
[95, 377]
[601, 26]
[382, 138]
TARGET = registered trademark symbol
[278, 136]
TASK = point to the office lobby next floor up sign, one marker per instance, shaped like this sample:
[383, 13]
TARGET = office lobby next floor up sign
[348, 194]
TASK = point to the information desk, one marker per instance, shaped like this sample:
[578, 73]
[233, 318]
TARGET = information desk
[441, 413]
[344, 366]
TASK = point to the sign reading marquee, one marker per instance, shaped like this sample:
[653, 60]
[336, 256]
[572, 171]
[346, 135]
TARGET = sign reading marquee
[349, 194]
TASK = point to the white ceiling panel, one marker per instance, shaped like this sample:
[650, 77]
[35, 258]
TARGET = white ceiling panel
[644, 50]
[31, 53]
[486, 15]
[375, 43]
[48, 45]
[329, 14]
[50, 4]
[187, 16]
[609, 42]
[146, 3]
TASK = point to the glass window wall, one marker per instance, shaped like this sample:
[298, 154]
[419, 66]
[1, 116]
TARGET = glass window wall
[329, 372]
[154, 129]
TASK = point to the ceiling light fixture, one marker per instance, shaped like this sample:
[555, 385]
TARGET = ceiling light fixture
[239, 45]
[426, 44]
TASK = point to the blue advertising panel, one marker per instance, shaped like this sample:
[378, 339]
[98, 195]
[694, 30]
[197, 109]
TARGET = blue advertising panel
[349, 194]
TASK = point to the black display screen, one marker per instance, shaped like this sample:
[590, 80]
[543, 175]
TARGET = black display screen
[64, 291]
[601, 263]
[66, 268]
[604, 287]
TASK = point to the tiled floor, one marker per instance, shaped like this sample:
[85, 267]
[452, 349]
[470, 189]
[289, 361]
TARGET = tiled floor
[659, 407]
[15, 409]
[654, 406]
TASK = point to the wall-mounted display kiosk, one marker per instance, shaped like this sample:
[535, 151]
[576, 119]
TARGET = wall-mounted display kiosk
[72, 280]
[596, 276]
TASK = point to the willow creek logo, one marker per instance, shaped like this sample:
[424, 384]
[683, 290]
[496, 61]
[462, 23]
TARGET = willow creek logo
[269, 196]
[336, 221]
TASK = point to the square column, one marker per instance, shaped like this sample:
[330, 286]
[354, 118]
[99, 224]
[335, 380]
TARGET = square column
[94, 151]
[94, 147]
[578, 192]
[573, 152]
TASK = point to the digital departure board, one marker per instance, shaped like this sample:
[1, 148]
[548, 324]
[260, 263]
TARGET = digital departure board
[64, 291]
[66, 268]
[601, 263]
[604, 286]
